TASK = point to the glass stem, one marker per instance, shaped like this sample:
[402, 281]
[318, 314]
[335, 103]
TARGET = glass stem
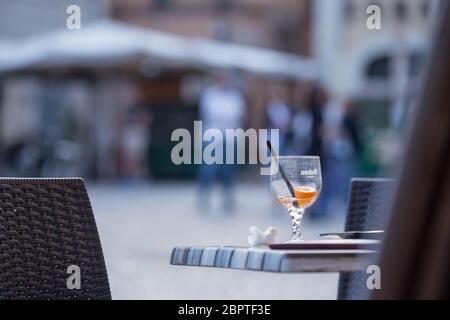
[296, 216]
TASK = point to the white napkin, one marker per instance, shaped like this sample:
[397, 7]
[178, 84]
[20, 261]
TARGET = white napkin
[257, 237]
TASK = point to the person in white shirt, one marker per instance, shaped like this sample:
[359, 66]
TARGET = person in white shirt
[222, 107]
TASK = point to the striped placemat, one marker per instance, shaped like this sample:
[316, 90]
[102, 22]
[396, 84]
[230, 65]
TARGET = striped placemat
[265, 259]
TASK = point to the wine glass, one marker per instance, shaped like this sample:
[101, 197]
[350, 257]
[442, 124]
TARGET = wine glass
[296, 181]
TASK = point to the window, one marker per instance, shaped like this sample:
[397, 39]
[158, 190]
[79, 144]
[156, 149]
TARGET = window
[379, 68]
[162, 4]
[425, 8]
[416, 60]
[349, 10]
[223, 5]
[401, 10]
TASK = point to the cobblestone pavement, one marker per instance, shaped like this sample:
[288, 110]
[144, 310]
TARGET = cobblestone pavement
[140, 224]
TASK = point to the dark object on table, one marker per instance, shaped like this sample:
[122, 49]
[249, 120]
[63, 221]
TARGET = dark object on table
[373, 234]
[354, 244]
[368, 201]
[47, 230]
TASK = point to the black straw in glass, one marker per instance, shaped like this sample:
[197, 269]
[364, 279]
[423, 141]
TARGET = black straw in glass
[283, 174]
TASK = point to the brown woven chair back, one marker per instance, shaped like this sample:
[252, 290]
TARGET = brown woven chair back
[368, 204]
[47, 231]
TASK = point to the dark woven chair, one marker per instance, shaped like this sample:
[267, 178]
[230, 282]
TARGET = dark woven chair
[367, 204]
[47, 225]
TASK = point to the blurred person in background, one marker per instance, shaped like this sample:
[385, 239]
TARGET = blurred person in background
[302, 129]
[222, 107]
[134, 144]
[351, 130]
[342, 146]
[315, 105]
[279, 116]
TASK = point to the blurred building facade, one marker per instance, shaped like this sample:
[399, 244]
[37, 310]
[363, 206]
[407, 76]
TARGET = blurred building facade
[358, 61]
[99, 120]
[378, 70]
[281, 25]
[107, 122]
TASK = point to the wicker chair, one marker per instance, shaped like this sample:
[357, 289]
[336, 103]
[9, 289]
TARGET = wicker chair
[368, 201]
[47, 225]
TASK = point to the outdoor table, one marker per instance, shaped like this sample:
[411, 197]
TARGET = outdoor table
[265, 259]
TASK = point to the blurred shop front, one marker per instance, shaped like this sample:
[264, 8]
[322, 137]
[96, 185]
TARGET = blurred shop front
[103, 101]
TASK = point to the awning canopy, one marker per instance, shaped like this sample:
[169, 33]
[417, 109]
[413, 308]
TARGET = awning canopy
[109, 43]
